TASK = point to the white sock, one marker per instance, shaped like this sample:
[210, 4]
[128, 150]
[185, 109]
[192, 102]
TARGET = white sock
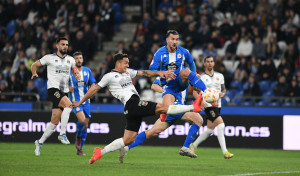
[177, 109]
[115, 145]
[203, 136]
[64, 120]
[221, 137]
[49, 130]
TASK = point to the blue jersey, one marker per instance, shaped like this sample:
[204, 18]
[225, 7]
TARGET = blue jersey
[81, 86]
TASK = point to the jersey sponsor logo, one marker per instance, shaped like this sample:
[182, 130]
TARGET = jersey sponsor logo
[125, 82]
[62, 69]
[77, 109]
[143, 103]
[80, 83]
[172, 66]
[57, 94]
[179, 55]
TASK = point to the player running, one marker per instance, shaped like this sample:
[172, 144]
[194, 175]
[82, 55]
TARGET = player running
[78, 88]
[159, 126]
[119, 83]
[213, 79]
[59, 65]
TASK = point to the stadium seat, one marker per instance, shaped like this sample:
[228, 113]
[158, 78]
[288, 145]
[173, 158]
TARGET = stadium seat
[273, 84]
[264, 86]
[238, 98]
[43, 94]
[116, 7]
[274, 103]
[39, 83]
[287, 104]
[247, 103]
[236, 85]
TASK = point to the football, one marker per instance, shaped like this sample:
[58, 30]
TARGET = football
[211, 95]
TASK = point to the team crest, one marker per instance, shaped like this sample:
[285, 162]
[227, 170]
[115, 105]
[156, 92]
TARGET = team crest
[68, 61]
[57, 94]
[77, 109]
[212, 113]
[143, 103]
[85, 73]
[165, 55]
[217, 78]
[127, 73]
[179, 55]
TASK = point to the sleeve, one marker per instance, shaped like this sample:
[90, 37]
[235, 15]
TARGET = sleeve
[91, 78]
[104, 81]
[132, 72]
[44, 60]
[189, 60]
[157, 81]
[73, 63]
[222, 81]
[155, 64]
[71, 84]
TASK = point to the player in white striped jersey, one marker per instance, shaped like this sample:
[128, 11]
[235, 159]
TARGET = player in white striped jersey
[78, 88]
[119, 83]
[214, 80]
[58, 65]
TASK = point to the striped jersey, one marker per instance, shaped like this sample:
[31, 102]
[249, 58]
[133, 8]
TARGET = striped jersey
[81, 86]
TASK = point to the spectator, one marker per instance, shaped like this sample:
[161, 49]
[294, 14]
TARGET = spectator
[231, 49]
[30, 89]
[165, 6]
[210, 50]
[253, 66]
[20, 57]
[294, 91]
[244, 47]
[251, 88]
[268, 71]
[107, 19]
[241, 73]
[281, 89]
[121, 48]
[3, 89]
[14, 84]
[23, 75]
[272, 49]
[259, 49]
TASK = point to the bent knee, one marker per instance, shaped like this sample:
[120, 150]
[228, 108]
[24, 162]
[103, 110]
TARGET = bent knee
[185, 72]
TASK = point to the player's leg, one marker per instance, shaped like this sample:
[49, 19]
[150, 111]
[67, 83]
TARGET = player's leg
[197, 122]
[203, 136]
[55, 117]
[168, 99]
[80, 134]
[187, 75]
[219, 123]
[66, 104]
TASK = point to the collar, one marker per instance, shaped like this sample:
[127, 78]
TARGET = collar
[59, 56]
[209, 74]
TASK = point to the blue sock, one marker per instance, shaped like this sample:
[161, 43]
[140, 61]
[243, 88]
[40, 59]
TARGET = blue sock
[191, 135]
[79, 128]
[196, 81]
[140, 138]
[83, 137]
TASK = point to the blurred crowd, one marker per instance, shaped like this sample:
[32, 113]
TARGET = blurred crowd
[256, 44]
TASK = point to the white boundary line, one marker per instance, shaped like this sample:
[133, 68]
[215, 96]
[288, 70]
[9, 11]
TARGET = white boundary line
[265, 173]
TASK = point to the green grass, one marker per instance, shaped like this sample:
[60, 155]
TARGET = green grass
[58, 159]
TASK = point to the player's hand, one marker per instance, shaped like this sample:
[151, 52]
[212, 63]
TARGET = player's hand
[203, 105]
[167, 74]
[35, 75]
[75, 104]
[221, 94]
[71, 89]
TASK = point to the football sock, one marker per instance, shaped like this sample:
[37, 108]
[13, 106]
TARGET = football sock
[191, 135]
[79, 128]
[177, 109]
[49, 130]
[196, 81]
[115, 145]
[203, 136]
[64, 120]
[83, 137]
[140, 138]
[221, 137]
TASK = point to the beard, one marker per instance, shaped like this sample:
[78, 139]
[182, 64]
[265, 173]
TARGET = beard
[78, 66]
[63, 52]
[209, 69]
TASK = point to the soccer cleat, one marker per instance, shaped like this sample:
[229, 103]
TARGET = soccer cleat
[97, 155]
[192, 147]
[78, 143]
[63, 139]
[123, 151]
[187, 152]
[228, 155]
[38, 147]
[197, 103]
[163, 117]
[80, 152]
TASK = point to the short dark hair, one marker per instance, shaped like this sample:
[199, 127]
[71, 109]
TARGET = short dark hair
[207, 58]
[171, 32]
[119, 56]
[61, 38]
[77, 53]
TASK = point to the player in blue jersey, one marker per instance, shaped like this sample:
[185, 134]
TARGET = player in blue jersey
[174, 57]
[159, 126]
[78, 88]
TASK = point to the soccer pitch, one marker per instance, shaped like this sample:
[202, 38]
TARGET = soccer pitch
[59, 159]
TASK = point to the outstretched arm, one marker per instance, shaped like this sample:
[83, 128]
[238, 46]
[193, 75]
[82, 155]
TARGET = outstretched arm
[148, 73]
[34, 67]
[94, 89]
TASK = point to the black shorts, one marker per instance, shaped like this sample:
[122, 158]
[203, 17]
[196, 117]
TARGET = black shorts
[135, 109]
[212, 113]
[55, 95]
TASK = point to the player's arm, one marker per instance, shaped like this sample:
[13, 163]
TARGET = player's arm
[156, 85]
[155, 64]
[190, 61]
[92, 91]
[150, 74]
[34, 68]
[75, 72]
[223, 91]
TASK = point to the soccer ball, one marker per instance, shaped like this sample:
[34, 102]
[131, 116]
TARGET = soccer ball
[210, 95]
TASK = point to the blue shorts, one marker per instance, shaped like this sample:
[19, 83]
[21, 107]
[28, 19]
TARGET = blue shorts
[85, 108]
[171, 119]
[174, 87]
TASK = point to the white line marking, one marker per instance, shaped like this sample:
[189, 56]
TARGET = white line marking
[265, 173]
